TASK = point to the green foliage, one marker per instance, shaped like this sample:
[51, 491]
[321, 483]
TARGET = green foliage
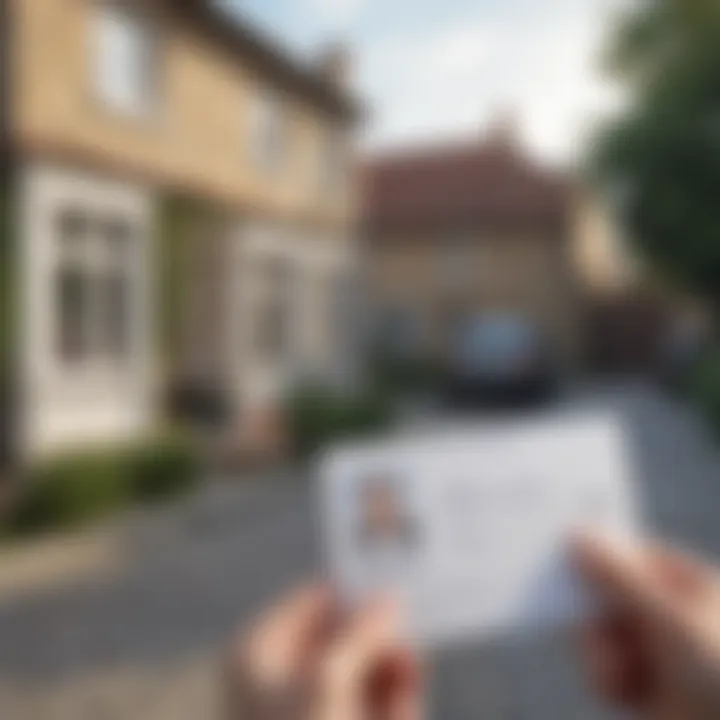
[71, 490]
[660, 161]
[318, 416]
[82, 486]
[162, 469]
[397, 376]
[706, 387]
[656, 37]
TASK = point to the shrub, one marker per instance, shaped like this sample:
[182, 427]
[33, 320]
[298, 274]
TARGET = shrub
[164, 468]
[78, 487]
[706, 387]
[318, 415]
[71, 490]
[397, 376]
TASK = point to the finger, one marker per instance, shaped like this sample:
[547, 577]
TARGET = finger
[622, 570]
[371, 637]
[617, 662]
[685, 576]
[603, 660]
[406, 706]
[398, 670]
[397, 691]
[301, 608]
[280, 642]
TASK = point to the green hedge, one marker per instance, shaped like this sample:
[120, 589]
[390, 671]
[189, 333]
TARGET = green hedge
[318, 415]
[70, 490]
[82, 486]
[398, 376]
[163, 469]
[705, 387]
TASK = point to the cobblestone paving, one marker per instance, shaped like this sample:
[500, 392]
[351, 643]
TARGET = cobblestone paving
[143, 642]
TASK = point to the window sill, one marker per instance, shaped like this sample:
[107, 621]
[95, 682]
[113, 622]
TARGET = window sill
[95, 373]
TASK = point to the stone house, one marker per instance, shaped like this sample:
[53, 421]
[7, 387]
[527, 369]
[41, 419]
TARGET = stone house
[179, 217]
[453, 232]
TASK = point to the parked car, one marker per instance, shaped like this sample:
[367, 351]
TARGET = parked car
[680, 350]
[500, 359]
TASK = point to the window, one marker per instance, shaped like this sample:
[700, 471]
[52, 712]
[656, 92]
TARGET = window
[125, 58]
[72, 301]
[269, 132]
[72, 288]
[93, 287]
[114, 290]
[457, 264]
[274, 320]
[333, 162]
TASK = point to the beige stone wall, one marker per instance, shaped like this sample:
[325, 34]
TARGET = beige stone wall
[198, 139]
[531, 276]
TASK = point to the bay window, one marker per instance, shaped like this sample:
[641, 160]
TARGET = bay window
[93, 288]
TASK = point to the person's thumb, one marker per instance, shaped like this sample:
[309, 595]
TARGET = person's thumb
[622, 571]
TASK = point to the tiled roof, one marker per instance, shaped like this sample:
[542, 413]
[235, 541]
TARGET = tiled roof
[455, 188]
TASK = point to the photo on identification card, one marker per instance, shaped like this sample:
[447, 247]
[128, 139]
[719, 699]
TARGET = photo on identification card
[376, 533]
[470, 531]
[385, 519]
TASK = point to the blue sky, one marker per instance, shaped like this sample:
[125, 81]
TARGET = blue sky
[433, 70]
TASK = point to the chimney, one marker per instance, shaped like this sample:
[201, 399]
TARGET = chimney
[335, 64]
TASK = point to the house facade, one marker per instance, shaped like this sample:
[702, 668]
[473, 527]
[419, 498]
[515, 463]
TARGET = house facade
[182, 216]
[451, 233]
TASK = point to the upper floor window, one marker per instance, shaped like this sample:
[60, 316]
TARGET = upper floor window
[269, 132]
[333, 162]
[125, 61]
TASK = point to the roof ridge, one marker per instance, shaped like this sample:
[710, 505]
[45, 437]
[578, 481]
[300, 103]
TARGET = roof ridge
[236, 29]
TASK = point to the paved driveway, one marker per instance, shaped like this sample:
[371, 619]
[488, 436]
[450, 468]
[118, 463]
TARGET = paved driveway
[141, 640]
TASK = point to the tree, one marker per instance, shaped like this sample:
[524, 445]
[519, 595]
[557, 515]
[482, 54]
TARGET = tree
[660, 161]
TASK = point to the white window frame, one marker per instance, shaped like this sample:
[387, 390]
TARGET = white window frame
[274, 317]
[269, 132]
[69, 403]
[97, 261]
